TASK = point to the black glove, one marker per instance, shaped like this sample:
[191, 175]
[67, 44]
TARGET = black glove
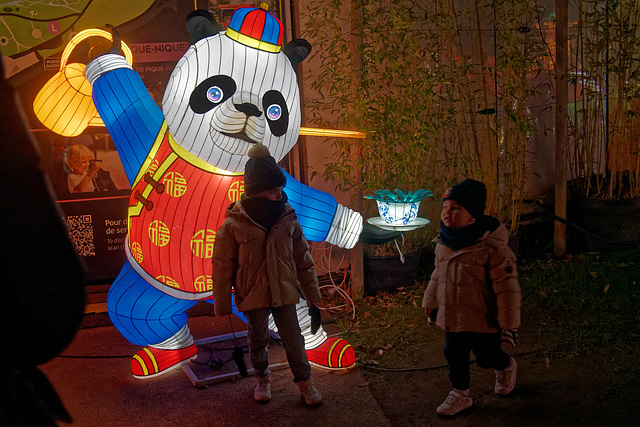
[433, 316]
[238, 357]
[510, 337]
[314, 312]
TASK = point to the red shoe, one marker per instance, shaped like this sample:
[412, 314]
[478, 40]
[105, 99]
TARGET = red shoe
[334, 354]
[150, 362]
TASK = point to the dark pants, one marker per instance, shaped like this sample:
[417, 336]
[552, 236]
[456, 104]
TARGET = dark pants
[286, 319]
[486, 348]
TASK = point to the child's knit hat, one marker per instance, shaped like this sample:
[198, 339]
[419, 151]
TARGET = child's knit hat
[471, 194]
[261, 171]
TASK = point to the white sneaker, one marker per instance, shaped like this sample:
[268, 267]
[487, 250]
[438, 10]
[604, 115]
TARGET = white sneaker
[506, 380]
[262, 391]
[456, 401]
[309, 391]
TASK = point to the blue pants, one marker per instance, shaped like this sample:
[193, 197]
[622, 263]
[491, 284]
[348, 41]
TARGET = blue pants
[286, 319]
[486, 348]
[143, 314]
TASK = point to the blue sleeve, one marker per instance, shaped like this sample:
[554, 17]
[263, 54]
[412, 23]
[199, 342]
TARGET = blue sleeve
[315, 209]
[131, 116]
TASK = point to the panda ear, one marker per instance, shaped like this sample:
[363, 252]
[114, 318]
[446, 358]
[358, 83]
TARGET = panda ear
[297, 51]
[201, 24]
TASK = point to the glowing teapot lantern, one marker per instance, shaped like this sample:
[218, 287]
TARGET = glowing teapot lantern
[398, 210]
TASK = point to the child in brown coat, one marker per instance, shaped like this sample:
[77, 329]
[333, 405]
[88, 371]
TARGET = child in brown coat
[473, 293]
[261, 253]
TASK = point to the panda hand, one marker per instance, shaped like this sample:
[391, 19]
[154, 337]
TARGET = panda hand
[103, 61]
[100, 49]
[345, 228]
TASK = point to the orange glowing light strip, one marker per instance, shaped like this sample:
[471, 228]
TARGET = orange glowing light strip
[303, 131]
[92, 198]
[332, 132]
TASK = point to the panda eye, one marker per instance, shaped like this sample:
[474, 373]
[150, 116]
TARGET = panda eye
[211, 92]
[274, 112]
[215, 94]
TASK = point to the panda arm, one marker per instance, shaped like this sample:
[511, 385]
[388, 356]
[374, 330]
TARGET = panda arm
[321, 217]
[130, 114]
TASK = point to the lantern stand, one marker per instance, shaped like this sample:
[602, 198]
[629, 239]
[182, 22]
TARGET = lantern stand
[200, 373]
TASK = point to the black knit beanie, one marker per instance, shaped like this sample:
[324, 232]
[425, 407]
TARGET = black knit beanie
[261, 171]
[471, 194]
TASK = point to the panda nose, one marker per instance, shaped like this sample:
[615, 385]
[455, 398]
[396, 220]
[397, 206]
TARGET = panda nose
[248, 109]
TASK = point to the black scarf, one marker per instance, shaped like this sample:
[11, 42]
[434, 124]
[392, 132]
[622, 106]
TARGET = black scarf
[264, 211]
[458, 238]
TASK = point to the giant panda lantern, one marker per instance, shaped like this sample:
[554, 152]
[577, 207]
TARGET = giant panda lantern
[228, 92]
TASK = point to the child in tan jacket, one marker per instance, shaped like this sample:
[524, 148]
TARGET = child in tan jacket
[473, 293]
[261, 254]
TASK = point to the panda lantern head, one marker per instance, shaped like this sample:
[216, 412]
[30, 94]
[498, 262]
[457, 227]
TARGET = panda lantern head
[234, 89]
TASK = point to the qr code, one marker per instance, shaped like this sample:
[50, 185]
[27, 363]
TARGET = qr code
[80, 228]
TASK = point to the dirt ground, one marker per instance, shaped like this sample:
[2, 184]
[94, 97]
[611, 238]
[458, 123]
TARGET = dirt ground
[560, 390]
[567, 392]
[555, 385]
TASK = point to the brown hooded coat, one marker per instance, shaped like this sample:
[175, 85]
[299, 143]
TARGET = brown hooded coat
[262, 268]
[476, 288]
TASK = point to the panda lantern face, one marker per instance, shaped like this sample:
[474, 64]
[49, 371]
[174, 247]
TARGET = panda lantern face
[237, 96]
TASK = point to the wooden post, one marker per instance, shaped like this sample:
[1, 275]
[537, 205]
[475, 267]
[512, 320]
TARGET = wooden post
[357, 268]
[297, 157]
[357, 260]
[560, 202]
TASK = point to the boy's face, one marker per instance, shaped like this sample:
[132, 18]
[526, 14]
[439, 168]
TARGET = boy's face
[274, 194]
[454, 215]
[80, 166]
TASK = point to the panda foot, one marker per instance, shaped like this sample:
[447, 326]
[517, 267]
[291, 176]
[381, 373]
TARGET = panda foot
[333, 354]
[151, 362]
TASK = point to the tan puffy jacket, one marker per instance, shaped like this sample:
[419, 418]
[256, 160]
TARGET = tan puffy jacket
[262, 269]
[476, 288]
